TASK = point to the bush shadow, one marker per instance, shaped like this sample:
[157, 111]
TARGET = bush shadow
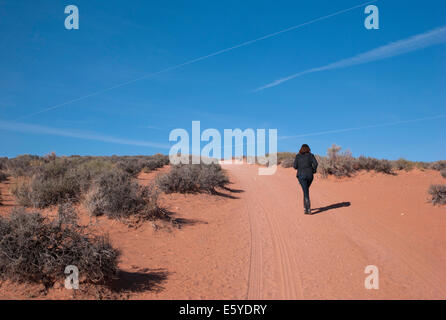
[139, 281]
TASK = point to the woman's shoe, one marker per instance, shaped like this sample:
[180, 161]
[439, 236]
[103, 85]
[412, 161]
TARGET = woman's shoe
[307, 206]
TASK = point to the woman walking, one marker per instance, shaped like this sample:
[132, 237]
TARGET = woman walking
[306, 165]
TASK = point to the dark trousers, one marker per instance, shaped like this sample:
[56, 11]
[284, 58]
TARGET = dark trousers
[305, 183]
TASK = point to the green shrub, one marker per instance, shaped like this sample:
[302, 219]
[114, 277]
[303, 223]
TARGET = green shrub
[37, 250]
[438, 193]
[443, 173]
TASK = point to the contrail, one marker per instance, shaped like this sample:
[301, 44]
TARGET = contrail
[417, 42]
[37, 129]
[243, 44]
[388, 124]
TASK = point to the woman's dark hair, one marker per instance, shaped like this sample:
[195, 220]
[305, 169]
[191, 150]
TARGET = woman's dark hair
[304, 149]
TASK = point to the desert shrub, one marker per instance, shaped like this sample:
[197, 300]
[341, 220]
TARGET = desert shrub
[260, 160]
[60, 180]
[443, 173]
[23, 165]
[403, 164]
[438, 165]
[366, 163]
[3, 176]
[211, 176]
[115, 195]
[186, 178]
[384, 166]
[378, 165]
[284, 156]
[22, 191]
[67, 215]
[422, 165]
[287, 162]
[50, 156]
[155, 162]
[438, 193]
[337, 163]
[3, 162]
[85, 172]
[131, 166]
[37, 250]
[42, 191]
[46, 191]
[134, 165]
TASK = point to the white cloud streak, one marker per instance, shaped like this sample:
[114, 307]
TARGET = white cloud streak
[38, 129]
[387, 124]
[216, 53]
[417, 42]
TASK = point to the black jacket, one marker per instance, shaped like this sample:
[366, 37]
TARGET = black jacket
[305, 164]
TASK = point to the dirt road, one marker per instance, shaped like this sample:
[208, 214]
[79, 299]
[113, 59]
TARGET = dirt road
[254, 242]
[371, 219]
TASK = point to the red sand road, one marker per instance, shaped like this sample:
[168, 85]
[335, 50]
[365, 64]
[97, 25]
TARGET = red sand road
[260, 245]
[388, 224]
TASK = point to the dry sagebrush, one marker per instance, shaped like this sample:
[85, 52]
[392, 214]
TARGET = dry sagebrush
[438, 193]
[36, 250]
[190, 178]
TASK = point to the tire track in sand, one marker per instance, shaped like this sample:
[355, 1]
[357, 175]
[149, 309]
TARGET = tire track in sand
[273, 272]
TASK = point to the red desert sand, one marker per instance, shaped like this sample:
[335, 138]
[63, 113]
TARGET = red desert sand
[258, 244]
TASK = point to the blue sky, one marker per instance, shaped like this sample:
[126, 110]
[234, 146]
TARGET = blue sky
[44, 65]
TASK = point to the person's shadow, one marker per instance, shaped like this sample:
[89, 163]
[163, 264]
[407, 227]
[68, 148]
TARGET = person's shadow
[330, 207]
